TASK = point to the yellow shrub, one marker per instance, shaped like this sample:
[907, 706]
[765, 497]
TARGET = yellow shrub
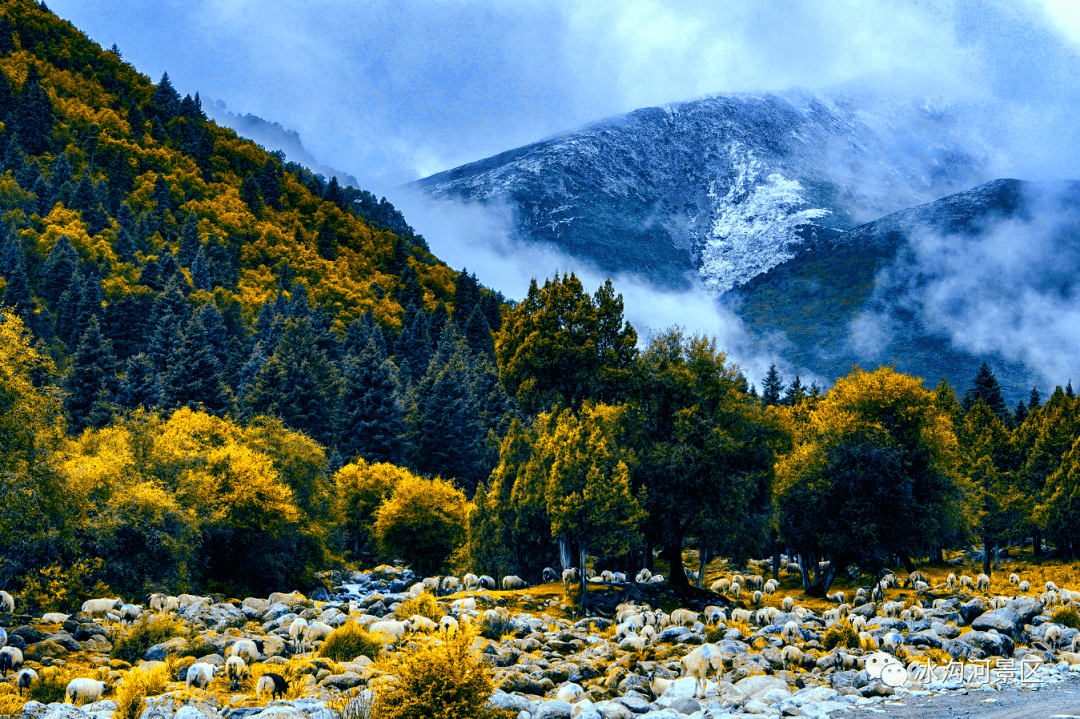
[424, 605]
[842, 634]
[1066, 617]
[350, 641]
[443, 678]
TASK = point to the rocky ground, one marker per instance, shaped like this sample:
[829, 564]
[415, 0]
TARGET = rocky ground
[548, 666]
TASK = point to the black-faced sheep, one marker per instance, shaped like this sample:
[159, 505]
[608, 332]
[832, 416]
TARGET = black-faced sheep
[487, 582]
[7, 602]
[450, 585]
[549, 575]
[512, 582]
[471, 581]
[200, 674]
[25, 679]
[130, 612]
[84, 691]
[273, 684]
[11, 660]
[236, 670]
[643, 576]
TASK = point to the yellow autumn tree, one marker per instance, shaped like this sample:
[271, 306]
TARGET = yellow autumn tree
[423, 522]
[360, 488]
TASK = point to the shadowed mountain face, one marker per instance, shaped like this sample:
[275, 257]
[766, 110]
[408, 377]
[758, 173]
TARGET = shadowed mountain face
[723, 188]
[934, 289]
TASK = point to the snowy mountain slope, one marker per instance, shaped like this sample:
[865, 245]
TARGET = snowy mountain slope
[726, 187]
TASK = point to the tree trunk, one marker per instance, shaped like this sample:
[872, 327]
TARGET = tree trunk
[804, 570]
[821, 587]
[676, 574]
[986, 557]
[939, 555]
[703, 562]
[997, 558]
[565, 555]
[581, 573]
[648, 558]
[1036, 542]
[776, 560]
[906, 561]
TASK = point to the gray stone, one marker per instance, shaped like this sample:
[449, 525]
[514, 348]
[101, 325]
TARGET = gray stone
[1002, 620]
[972, 609]
[673, 634]
[686, 705]
[946, 616]
[990, 644]
[634, 683]
[757, 685]
[876, 690]
[176, 645]
[634, 702]
[614, 710]
[343, 682]
[925, 639]
[553, 709]
[510, 702]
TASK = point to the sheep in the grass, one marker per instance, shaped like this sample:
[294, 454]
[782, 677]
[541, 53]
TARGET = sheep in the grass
[657, 579]
[788, 604]
[316, 631]
[793, 569]
[200, 674]
[713, 615]
[867, 640]
[684, 617]
[1014, 579]
[766, 616]
[52, 618]
[389, 627]
[272, 684]
[248, 649]
[451, 585]
[448, 624]
[635, 642]
[770, 588]
[512, 582]
[643, 576]
[967, 582]
[130, 612]
[186, 600]
[84, 691]
[757, 597]
[698, 663]
[792, 657]
[569, 576]
[101, 606]
[921, 587]
[736, 589]
[487, 582]
[549, 575]
[466, 604]
[756, 581]
[858, 623]
[619, 577]
[418, 623]
[25, 678]
[7, 603]
[236, 670]
[296, 634]
[431, 584]
[739, 615]
[1024, 586]
[790, 633]
[720, 586]
[471, 581]
[11, 660]
[648, 632]
[982, 583]
[950, 582]
[892, 641]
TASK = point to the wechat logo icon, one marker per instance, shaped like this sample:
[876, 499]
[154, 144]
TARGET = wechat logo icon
[886, 668]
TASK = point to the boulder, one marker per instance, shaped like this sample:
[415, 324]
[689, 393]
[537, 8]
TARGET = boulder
[990, 644]
[502, 701]
[758, 685]
[673, 635]
[972, 609]
[48, 648]
[343, 682]
[1001, 620]
[553, 709]
[686, 705]
[158, 652]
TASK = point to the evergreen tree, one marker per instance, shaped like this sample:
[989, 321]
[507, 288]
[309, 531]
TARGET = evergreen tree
[1069, 390]
[59, 269]
[270, 184]
[126, 323]
[795, 393]
[985, 387]
[150, 276]
[93, 367]
[125, 246]
[413, 348]
[91, 301]
[466, 296]
[67, 314]
[160, 217]
[17, 293]
[249, 193]
[139, 387]
[334, 193]
[166, 100]
[771, 387]
[7, 97]
[437, 322]
[164, 341]
[194, 374]
[200, 271]
[103, 408]
[372, 413]
[478, 334]
[34, 115]
[412, 292]
[1034, 400]
[1020, 414]
[327, 242]
[190, 243]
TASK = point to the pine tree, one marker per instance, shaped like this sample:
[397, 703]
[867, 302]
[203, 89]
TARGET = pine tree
[334, 193]
[414, 347]
[270, 184]
[164, 341]
[33, 115]
[249, 193]
[795, 393]
[466, 296]
[200, 272]
[327, 242]
[478, 334]
[150, 276]
[771, 387]
[160, 217]
[139, 387]
[437, 322]
[166, 100]
[103, 409]
[93, 366]
[17, 293]
[1069, 390]
[190, 243]
[126, 321]
[412, 292]
[7, 97]
[1034, 400]
[372, 415]
[985, 387]
[193, 378]
[59, 269]
[1020, 414]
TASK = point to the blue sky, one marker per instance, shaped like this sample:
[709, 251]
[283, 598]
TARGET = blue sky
[394, 90]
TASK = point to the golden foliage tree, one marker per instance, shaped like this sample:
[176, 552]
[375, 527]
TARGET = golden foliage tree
[423, 522]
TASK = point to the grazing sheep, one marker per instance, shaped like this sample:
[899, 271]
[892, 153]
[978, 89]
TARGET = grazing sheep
[619, 577]
[316, 631]
[838, 597]
[570, 693]
[471, 581]
[982, 583]
[511, 582]
[390, 627]
[569, 576]
[156, 601]
[1014, 579]
[1075, 646]
[418, 623]
[757, 597]
[635, 642]
[1051, 587]
[200, 674]
[950, 582]
[790, 633]
[684, 617]
[466, 604]
[918, 614]
[548, 575]
[296, 634]
[487, 582]
[643, 576]
[858, 623]
[417, 589]
[101, 606]
[130, 612]
[274, 597]
[720, 586]
[624, 630]
[713, 615]
[844, 610]
[236, 670]
[792, 568]
[698, 663]
[788, 604]
[921, 587]
[84, 691]
[11, 660]
[756, 581]
[967, 582]
[657, 579]
[448, 624]
[648, 632]
[770, 588]
[186, 600]
[451, 585]
[247, 649]
[738, 615]
[273, 684]
[1052, 636]
[867, 640]
[736, 589]
[637, 621]
[52, 618]
[916, 577]
[172, 604]
[792, 657]
[769, 615]
[432, 584]
[25, 678]
[7, 603]
[892, 641]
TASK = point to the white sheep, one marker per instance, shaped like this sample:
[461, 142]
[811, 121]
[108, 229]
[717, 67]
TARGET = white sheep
[186, 600]
[296, 634]
[487, 582]
[648, 632]
[417, 589]
[11, 660]
[967, 582]
[130, 612]
[84, 691]
[471, 581]
[770, 588]
[431, 584]
[643, 576]
[451, 585]
[274, 597]
[738, 579]
[858, 623]
[247, 649]
[548, 575]
[635, 642]
[569, 576]
[950, 581]
[465, 604]
[657, 579]
[200, 674]
[25, 679]
[684, 617]
[53, 618]
[418, 623]
[172, 604]
[389, 627]
[101, 606]
[1051, 587]
[720, 586]
[757, 597]
[7, 602]
[788, 604]
[236, 670]
[756, 581]
[698, 663]
[792, 657]
[892, 641]
[982, 583]
[713, 615]
[448, 624]
[736, 589]
[738, 615]
[1024, 586]
[1014, 579]
[790, 633]
[316, 631]
[921, 587]
[512, 582]
[624, 630]
[273, 684]
[1053, 635]
[156, 602]
[607, 575]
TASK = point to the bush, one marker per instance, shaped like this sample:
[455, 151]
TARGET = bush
[842, 634]
[443, 678]
[423, 522]
[132, 644]
[424, 605]
[1066, 617]
[51, 685]
[350, 641]
[61, 589]
[495, 627]
[139, 684]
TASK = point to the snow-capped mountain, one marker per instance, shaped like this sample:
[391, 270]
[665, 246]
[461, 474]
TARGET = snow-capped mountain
[725, 187]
